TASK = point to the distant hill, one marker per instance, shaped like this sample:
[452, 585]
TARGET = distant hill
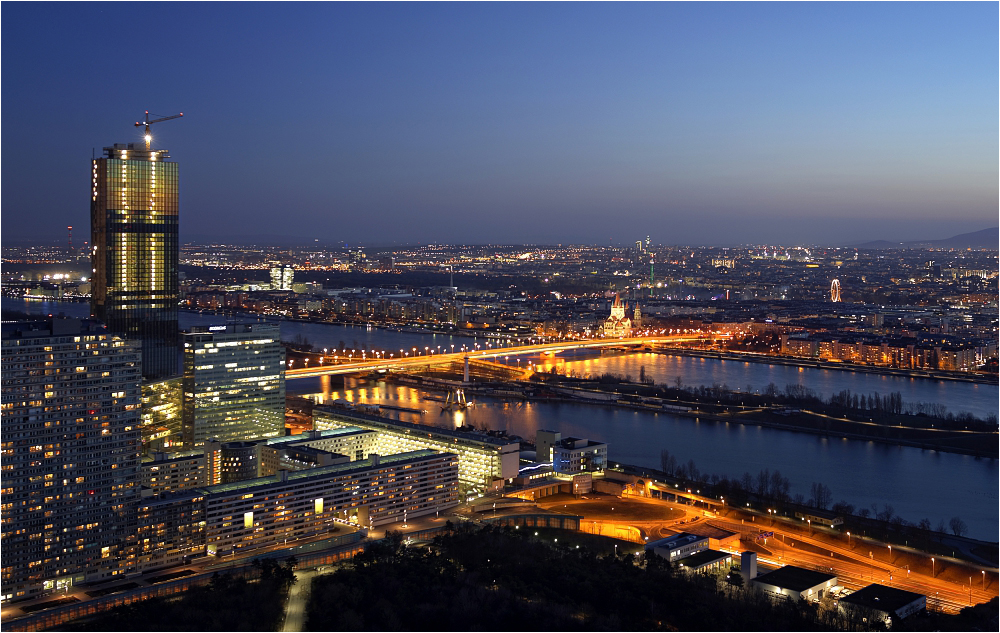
[986, 238]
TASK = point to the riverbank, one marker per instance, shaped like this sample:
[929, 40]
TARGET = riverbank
[975, 444]
[750, 357]
[813, 423]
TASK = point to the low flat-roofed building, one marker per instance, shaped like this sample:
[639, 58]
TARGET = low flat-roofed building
[704, 560]
[820, 517]
[717, 537]
[678, 546]
[885, 602]
[796, 583]
[572, 454]
[482, 458]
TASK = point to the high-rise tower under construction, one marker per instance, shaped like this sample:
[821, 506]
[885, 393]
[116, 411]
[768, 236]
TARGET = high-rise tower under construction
[134, 202]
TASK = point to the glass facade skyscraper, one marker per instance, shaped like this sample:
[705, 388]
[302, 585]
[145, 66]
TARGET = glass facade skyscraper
[133, 208]
[234, 383]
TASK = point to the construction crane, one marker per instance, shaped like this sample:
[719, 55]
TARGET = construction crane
[147, 123]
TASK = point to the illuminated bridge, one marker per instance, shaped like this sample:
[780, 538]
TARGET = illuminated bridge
[414, 362]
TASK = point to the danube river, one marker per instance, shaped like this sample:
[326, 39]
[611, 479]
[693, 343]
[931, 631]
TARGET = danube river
[917, 483]
[958, 397]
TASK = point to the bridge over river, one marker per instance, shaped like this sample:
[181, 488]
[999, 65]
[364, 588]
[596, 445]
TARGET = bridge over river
[417, 361]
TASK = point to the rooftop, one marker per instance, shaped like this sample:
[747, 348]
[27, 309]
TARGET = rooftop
[710, 531]
[409, 427]
[160, 458]
[703, 558]
[676, 540]
[51, 326]
[313, 435]
[887, 599]
[339, 469]
[794, 578]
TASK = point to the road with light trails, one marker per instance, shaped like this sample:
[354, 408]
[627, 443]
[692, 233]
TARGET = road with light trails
[411, 362]
[793, 544]
[855, 569]
[796, 544]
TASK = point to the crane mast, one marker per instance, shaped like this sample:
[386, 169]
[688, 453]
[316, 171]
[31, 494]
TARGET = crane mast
[147, 122]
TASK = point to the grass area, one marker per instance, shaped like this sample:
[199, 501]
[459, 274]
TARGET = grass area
[986, 552]
[609, 508]
[593, 543]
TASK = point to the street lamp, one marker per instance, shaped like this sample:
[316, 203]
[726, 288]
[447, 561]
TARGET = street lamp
[932, 566]
[848, 540]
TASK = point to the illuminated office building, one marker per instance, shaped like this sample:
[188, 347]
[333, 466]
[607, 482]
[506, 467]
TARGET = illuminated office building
[70, 455]
[482, 460]
[234, 384]
[161, 415]
[282, 276]
[133, 220]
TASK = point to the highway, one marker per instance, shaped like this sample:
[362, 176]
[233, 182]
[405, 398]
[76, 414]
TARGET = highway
[856, 564]
[490, 353]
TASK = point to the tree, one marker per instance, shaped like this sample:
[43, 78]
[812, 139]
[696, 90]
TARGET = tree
[958, 526]
[844, 508]
[763, 483]
[668, 463]
[735, 579]
[821, 495]
[779, 486]
[692, 471]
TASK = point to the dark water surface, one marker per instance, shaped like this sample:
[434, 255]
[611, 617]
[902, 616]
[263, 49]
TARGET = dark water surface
[916, 483]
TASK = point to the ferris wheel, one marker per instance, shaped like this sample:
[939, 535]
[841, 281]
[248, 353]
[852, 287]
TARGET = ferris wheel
[835, 290]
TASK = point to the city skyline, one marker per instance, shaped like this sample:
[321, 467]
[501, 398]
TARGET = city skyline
[702, 124]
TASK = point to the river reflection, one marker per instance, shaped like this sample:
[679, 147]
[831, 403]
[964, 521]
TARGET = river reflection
[977, 399]
[917, 483]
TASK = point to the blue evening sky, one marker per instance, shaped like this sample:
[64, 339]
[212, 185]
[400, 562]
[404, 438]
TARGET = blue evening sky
[515, 123]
